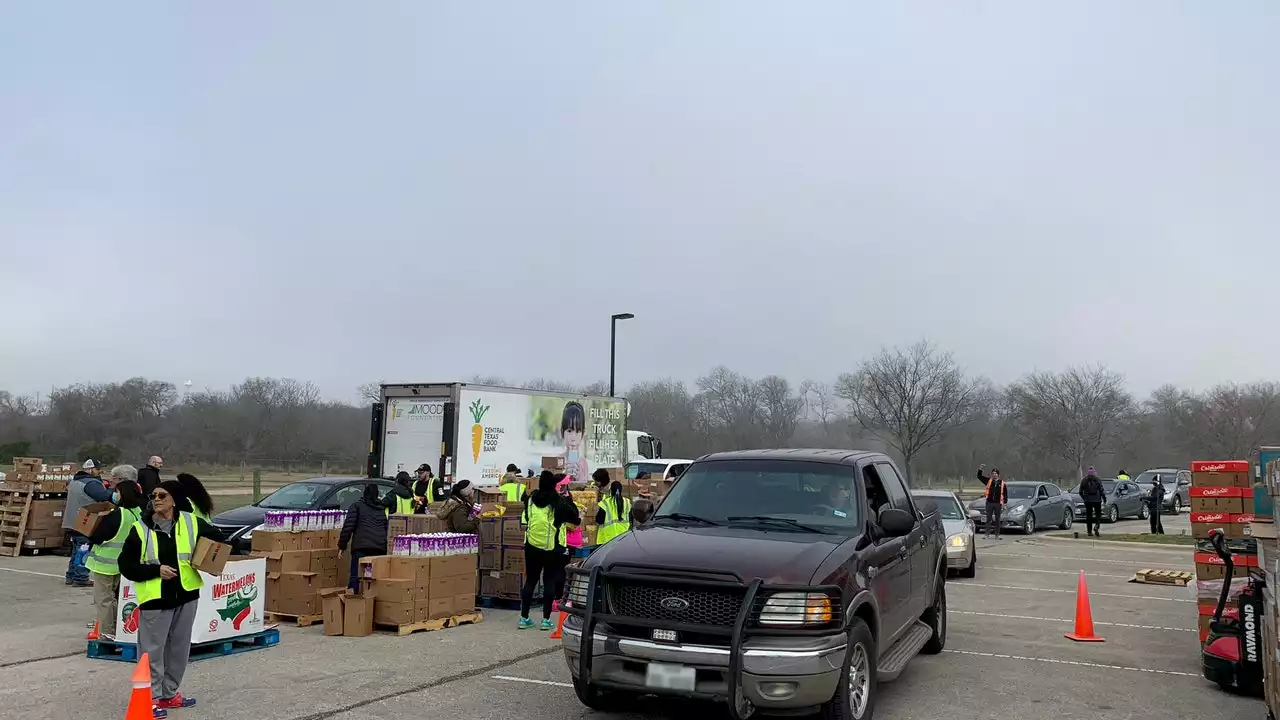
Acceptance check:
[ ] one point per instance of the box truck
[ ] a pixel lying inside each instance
(472, 432)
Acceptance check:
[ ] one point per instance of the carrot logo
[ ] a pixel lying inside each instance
(477, 430)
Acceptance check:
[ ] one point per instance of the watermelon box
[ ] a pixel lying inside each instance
(230, 604)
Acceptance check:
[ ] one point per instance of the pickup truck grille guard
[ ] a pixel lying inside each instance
(595, 611)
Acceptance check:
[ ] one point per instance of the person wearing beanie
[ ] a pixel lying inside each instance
(542, 517)
(1092, 494)
(511, 485)
(456, 510)
(399, 499)
(157, 557)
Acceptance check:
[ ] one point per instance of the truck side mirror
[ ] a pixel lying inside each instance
(895, 522)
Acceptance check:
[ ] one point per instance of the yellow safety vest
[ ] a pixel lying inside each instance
(404, 506)
(615, 522)
(540, 531)
(104, 558)
(513, 490)
(1122, 476)
(199, 515)
(185, 530)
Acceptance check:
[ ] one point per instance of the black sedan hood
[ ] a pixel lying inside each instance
(247, 515)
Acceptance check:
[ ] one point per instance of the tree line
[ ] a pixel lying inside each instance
(915, 403)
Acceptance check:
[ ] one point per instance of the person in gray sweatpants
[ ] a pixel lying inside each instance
(157, 558)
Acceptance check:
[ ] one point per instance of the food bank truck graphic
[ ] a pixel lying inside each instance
(230, 604)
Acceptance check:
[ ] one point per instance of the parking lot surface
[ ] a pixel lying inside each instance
(1006, 656)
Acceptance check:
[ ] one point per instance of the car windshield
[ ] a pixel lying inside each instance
(1020, 492)
(298, 496)
(817, 495)
(948, 508)
(653, 469)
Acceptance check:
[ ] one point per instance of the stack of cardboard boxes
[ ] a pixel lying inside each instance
(1222, 498)
(501, 558)
(32, 499)
(407, 590)
(398, 525)
(299, 566)
(1267, 539)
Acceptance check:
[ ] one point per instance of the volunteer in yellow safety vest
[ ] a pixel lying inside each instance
(399, 499)
(511, 484)
(425, 489)
(545, 516)
(614, 515)
(106, 540)
(197, 500)
(1122, 475)
(157, 557)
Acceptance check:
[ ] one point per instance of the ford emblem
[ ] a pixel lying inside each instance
(674, 604)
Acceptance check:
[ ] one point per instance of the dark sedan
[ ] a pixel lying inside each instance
(317, 493)
(1177, 487)
(1124, 499)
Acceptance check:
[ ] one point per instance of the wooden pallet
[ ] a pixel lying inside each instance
(128, 652)
(15, 507)
(470, 618)
(1175, 578)
(298, 620)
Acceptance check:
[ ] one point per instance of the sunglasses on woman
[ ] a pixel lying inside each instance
(159, 495)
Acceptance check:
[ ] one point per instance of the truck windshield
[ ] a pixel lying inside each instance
(818, 495)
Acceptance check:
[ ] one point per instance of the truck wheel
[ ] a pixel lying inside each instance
(596, 699)
(936, 618)
(855, 697)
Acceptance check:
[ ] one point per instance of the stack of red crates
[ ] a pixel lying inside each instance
(1221, 498)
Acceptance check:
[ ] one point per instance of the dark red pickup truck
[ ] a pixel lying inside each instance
(783, 580)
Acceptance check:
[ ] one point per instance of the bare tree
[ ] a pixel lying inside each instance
(1073, 414)
(779, 410)
(370, 392)
(910, 398)
(820, 404)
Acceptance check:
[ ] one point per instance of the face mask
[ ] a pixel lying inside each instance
(115, 498)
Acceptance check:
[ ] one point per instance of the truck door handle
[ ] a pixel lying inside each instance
(902, 553)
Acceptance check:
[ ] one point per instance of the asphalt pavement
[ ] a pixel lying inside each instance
(1006, 655)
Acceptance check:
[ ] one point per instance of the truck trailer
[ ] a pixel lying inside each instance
(472, 432)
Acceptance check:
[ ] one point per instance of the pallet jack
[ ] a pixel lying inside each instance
(1232, 653)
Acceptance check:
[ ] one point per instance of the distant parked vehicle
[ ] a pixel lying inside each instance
(1124, 500)
(1177, 487)
(962, 554)
(1031, 506)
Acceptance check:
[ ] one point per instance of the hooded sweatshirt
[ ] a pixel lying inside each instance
(1092, 490)
(365, 527)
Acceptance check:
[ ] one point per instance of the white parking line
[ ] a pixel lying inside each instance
(1055, 590)
(1072, 662)
(1066, 621)
(1053, 572)
(1130, 563)
(531, 681)
(33, 572)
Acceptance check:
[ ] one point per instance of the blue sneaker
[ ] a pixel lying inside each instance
(525, 624)
(545, 624)
(159, 713)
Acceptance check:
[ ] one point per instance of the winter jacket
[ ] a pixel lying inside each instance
(1156, 498)
(1091, 490)
(172, 593)
(456, 512)
(83, 489)
(389, 500)
(365, 528)
(996, 491)
(148, 480)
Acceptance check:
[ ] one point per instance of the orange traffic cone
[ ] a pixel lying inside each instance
(1084, 616)
(140, 707)
(558, 632)
(93, 634)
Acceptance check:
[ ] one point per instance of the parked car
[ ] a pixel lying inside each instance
(666, 468)
(1031, 506)
(1177, 487)
(1124, 499)
(784, 580)
(962, 554)
(317, 493)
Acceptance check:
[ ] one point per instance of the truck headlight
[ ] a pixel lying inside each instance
(575, 594)
(796, 608)
(958, 540)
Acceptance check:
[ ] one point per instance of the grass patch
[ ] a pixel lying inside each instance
(222, 503)
(1146, 538)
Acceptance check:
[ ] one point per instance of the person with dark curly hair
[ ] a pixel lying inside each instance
(195, 499)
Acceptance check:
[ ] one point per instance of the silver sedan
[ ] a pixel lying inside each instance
(962, 554)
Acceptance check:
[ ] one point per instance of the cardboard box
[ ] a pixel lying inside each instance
(1220, 473)
(332, 607)
(491, 530)
(90, 515)
(490, 557)
(416, 569)
(376, 567)
(276, 542)
(210, 557)
(1211, 499)
(501, 584)
(464, 602)
(397, 613)
(453, 565)
(438, 608)
(513, 559)
(357, 615)
(1234, 526)
(394, 591)
(281, 561)
(512, 532)
(554, 463)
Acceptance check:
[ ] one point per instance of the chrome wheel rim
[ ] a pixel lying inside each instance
(1029, 525)
(859, 681)
(1113, 514)
(1177, 505)
(1068, 518)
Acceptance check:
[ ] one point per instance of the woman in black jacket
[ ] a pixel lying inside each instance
(165, 622)
(365, 530)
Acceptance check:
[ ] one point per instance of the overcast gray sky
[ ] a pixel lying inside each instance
(426, 191)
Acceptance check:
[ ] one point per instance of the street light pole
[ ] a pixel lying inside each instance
(613, 347)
